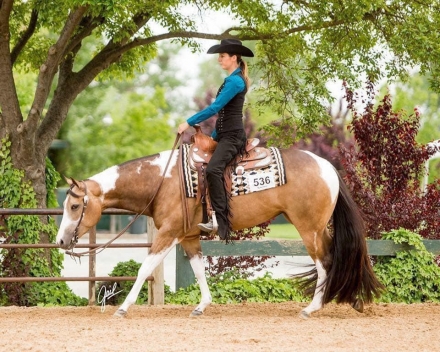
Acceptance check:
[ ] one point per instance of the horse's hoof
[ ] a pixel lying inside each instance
(358, 305)
(120, 313)
(304, 315)
(196, 313)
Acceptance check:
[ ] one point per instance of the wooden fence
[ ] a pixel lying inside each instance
(184, 273)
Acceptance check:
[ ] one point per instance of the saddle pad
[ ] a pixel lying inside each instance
(252, 180)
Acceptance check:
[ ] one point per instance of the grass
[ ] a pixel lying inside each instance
(283, 231)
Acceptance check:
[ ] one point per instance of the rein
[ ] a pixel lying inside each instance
(86, 199)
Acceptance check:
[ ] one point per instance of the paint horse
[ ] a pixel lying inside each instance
(313, 195)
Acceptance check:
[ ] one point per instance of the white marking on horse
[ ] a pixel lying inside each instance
(316, 303)
(147, 267)
(198, 267)
(162, 161)
(107, 179)
(328, 174)
(315, 244)
(67, 223)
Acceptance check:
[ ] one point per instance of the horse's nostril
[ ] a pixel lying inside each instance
(61, 242)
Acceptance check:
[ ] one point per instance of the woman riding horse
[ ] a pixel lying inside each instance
(313, 195)
(229, 130)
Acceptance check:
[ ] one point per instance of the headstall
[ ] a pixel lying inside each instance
(85, 202)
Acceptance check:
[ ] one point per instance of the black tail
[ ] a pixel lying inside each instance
(350, 275)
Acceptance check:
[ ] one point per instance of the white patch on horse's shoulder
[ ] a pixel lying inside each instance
(107, 179)
(328, 174)
(162, 161)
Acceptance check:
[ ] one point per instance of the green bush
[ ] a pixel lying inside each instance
(128, 268)
(55, 294)
(229, 287)
(17, 192)
(412, 275)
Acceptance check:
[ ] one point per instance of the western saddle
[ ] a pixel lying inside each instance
(204, 146)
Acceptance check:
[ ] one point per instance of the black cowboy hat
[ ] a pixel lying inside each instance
(231, 46)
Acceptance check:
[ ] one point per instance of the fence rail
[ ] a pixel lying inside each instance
(72, 278)
(79, 245)
(54, 211)
(184, 273)
(155, 281)
(291, 248)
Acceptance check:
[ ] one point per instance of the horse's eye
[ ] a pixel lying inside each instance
(74, 206)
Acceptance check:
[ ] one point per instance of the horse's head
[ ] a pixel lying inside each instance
(82, 211)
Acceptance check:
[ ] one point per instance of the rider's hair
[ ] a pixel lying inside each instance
(244, 69)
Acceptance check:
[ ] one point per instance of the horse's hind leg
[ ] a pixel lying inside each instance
(158, 252)
(316, 303)
(316, 243)
(194, 252)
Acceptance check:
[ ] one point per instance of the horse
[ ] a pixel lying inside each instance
(313, 197)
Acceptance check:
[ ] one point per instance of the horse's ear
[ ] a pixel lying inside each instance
(71, 181)
(75, 182)
(68, 180)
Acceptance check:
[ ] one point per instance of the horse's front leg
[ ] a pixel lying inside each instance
(199, 271)
(154, 258)
(194, 252)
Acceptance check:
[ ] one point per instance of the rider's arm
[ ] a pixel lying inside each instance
(234, 84)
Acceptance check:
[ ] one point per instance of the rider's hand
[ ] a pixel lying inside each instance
(182, 127)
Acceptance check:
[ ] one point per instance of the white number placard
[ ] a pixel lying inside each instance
(261, 181)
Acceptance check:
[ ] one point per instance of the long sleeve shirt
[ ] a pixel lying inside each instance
(233, 85)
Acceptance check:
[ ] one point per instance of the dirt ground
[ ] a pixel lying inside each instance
(245, 327)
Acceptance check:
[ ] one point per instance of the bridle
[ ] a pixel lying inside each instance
(86, 200)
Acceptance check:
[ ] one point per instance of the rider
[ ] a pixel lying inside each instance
(229, 129)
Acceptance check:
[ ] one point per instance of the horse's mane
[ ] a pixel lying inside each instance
(139, 159)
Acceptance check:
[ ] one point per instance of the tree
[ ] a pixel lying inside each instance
(140, 127)
(385, 167)
(327, 141)
(301, 45)
(412, 93)
(135, 113)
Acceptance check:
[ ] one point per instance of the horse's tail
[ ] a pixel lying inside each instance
(350, 275)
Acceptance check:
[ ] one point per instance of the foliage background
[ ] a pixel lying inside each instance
(52, 52)
(386, 166)
(15, 192)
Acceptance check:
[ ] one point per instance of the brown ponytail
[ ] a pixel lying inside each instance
(244, 70)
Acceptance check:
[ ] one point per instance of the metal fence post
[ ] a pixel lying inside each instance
(92, 268)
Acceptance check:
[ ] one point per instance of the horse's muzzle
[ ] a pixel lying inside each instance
(66, 245)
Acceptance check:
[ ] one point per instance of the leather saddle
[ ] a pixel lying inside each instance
(200, 153)
(204, 146)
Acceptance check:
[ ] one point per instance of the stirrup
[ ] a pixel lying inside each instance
(211, 226)
(206, 227)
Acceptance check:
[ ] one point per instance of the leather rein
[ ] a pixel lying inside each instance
(103, 246)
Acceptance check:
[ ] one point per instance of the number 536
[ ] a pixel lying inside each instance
(261, 181)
